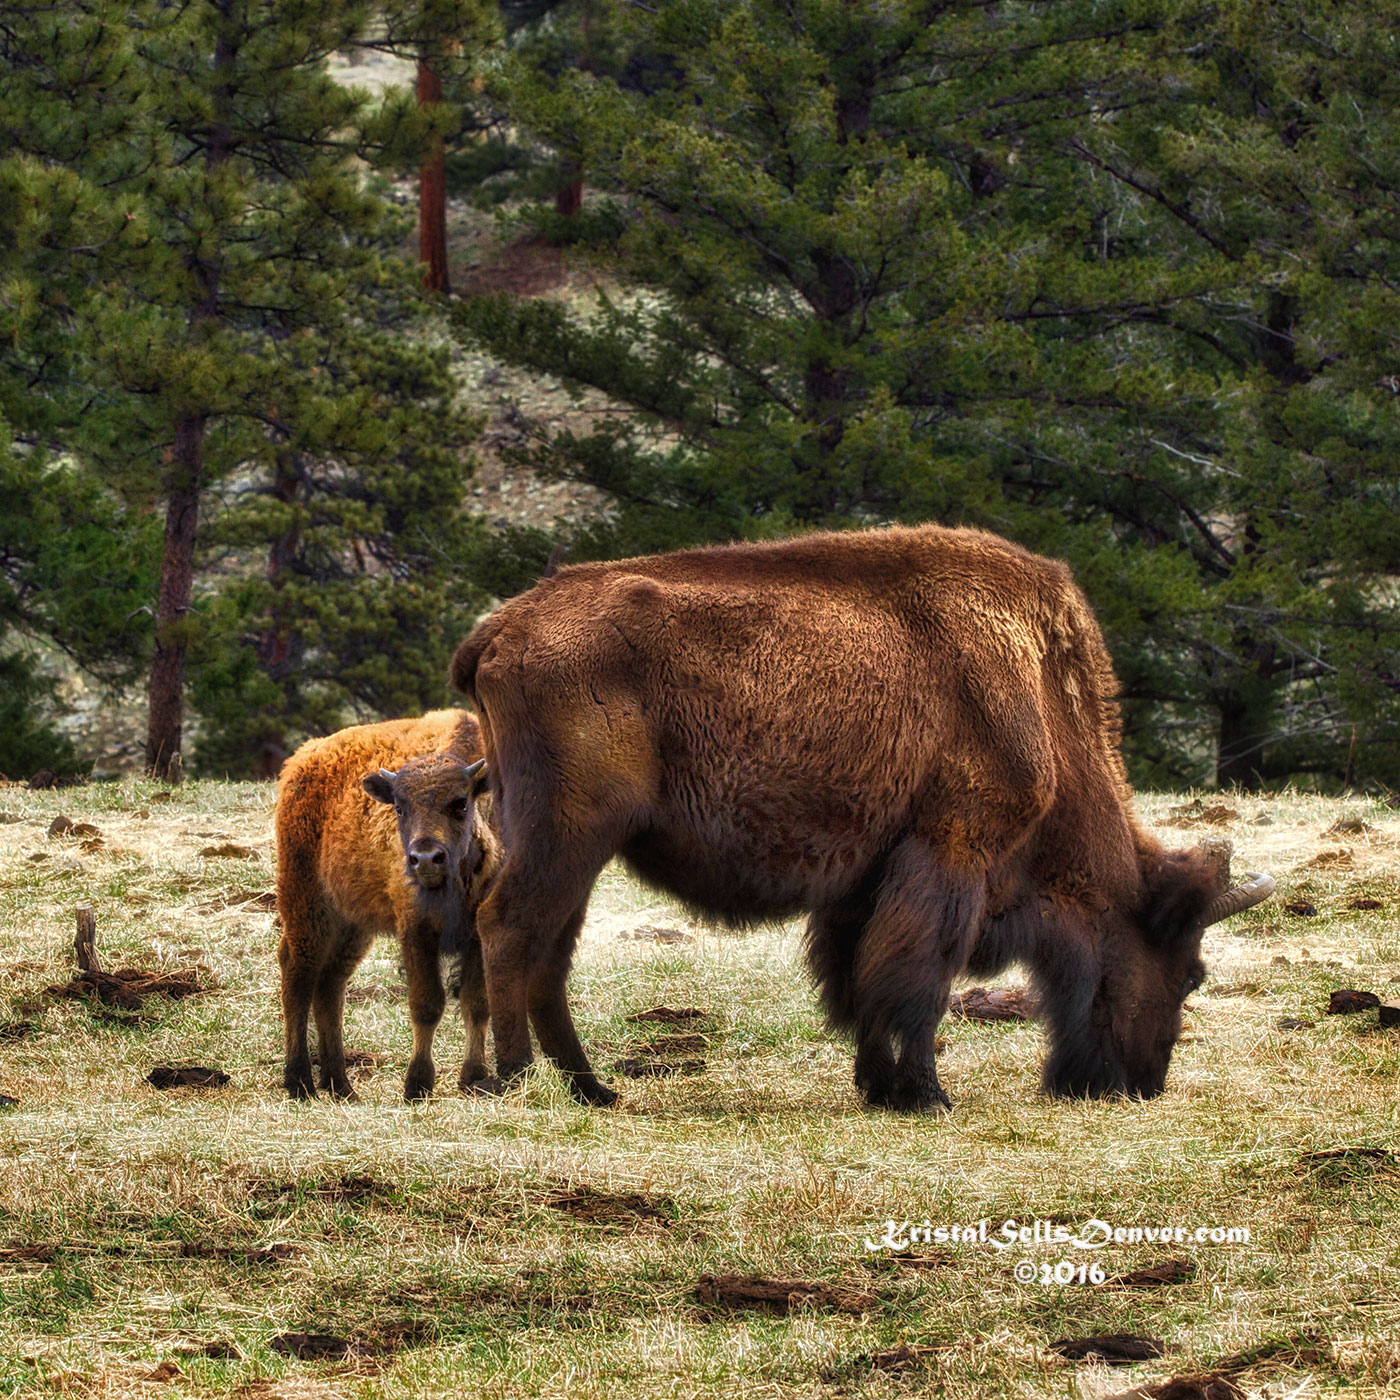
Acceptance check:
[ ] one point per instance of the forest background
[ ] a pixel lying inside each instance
(1116, 280)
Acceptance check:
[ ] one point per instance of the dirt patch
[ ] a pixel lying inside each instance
(264, 901)
(242, 1254)
(1209, 1385)
(671, 1015)
(908, 1356)
(993, 1004)
(1169, 1271)
(1362, 905)
(229, 850)
(312, 1346)
(17, 1030)
(526, 268)
(595, 1207)
(1197, 813)
(1116, 1348)
(127, 988)
(1330, 860)
(634, 1068)
(213, 1349)
(341, 1188)
(187, 1077)
(726, 1293)
(66, 826)
(651, 933)
(1301, 909)
(28, 1253)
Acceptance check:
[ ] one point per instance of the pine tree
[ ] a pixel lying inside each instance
(1039, 268)
(75, 566)
(263, 375)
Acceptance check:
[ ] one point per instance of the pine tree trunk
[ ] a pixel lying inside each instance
(166, 694)
(432, 194)
(1240, 751)
(167, 688)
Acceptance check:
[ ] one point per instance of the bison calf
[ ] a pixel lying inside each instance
(348, 870)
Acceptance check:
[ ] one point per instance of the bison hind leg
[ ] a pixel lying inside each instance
(917, 940)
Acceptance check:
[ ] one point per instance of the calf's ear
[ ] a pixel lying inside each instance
(380, 786)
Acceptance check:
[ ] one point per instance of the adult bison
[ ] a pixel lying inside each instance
(348, 868)
(911, 734)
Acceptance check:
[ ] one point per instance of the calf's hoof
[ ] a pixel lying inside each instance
(471, 1074)
(418, 1085)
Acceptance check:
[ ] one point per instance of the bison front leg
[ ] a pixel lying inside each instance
(426, 1000)
(923, 927)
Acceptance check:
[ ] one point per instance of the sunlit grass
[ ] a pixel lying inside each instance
(434, 1239)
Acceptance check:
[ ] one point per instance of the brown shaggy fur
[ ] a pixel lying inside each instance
(911, 734)
(342, 879)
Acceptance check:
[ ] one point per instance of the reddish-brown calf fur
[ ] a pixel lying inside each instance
(341, 881)
(911, 734)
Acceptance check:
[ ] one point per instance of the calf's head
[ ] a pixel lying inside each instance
(434, 799)
(1116, 1017)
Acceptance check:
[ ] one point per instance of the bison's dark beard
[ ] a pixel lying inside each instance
(445, 910)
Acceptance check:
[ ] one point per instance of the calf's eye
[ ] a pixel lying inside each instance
(457, 809)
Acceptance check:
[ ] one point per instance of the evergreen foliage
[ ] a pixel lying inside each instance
(1111, 279)
(254, 364)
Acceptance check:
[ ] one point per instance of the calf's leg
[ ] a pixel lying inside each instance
(307, 932)
(345, 954)
(475, 1015)
(426, 999)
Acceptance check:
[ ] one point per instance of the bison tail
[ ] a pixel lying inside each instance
(462, 671)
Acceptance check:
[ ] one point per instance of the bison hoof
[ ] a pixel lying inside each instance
(489, 1087)
(418, 1086)
(471, 1075)
(298, 1085)
(342, 1091)
(588, 1090)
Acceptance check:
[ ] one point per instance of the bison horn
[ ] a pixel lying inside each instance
(387, 775)
(474, 768)
(1255, 890)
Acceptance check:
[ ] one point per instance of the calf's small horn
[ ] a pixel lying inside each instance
(387, 775)
(1255, 890)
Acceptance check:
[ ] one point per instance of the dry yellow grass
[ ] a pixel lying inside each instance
(532, 1247)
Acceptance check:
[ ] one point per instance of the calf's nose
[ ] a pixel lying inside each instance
(427, 856)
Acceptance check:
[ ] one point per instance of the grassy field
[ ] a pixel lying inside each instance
(162, 1242)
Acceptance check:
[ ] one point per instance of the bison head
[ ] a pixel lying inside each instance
(434, 799)
(1115, 1016)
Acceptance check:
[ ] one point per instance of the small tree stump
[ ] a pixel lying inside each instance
(85, 940)
(1217, 852)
